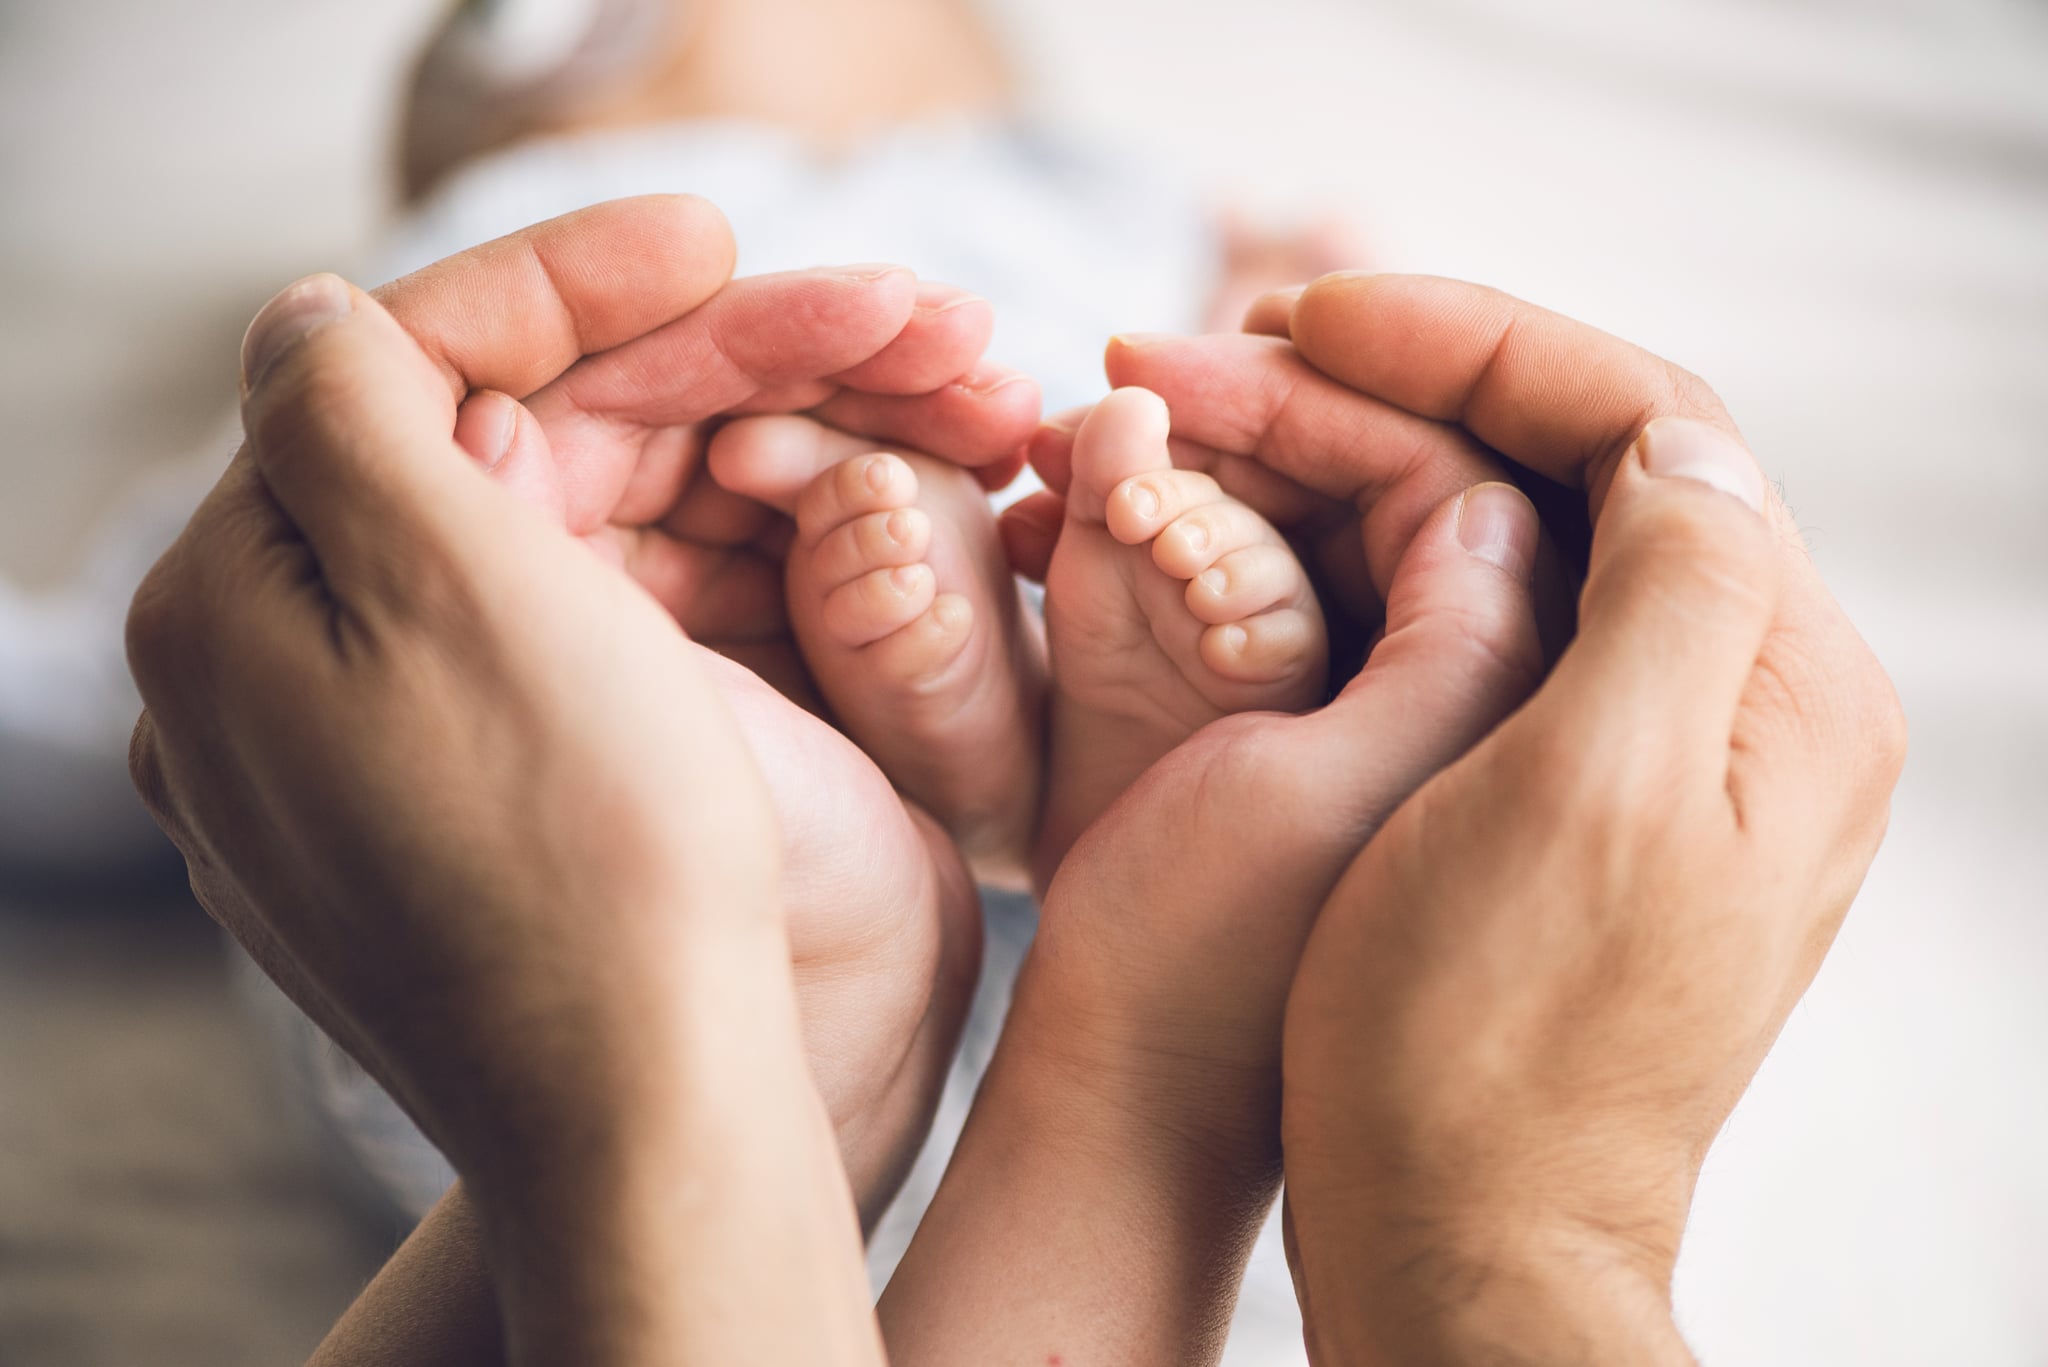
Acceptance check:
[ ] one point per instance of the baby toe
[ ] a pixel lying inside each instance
(873, 541)
(872, 483)
(920, 650)
(773, 458)
(870, 607)
(1198, 538)
(1124, 435)
(1244, 582)
(1140, 507)
(1270, 647)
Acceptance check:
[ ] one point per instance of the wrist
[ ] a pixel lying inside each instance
(1185, 1112)
(690, 1203)
(582, 1079)
(1381, 1288)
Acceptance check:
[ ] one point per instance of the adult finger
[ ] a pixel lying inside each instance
(503, 438)
(1030, 529)
(1461, 651)
(948, 331)
(515, 313)
(1256, 397)
(1271, 314)
(1820, 721)
(350, 429)
(755, 334)
(1545, 391)
(1679, 599)
(759, 333)
(1273, 496)
(983, 418)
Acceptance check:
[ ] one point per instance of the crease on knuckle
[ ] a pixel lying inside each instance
(157, 627)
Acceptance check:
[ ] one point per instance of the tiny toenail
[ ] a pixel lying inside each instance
(876, 473)
(904, 578)
(1215, 581)
(1144, 500)
(898, 527)
(1235, 639)
(1195, 536)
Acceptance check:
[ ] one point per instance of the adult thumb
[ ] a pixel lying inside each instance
(352, 430)
(1679, 596)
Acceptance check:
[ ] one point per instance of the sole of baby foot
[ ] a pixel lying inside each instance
(1169, 605)
(913, 626)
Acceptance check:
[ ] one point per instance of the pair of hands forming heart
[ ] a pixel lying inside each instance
(380, 690)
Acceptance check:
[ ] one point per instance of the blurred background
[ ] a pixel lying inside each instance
(1835, 211)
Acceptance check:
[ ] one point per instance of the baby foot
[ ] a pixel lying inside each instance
(1169, 604)
(910, 620)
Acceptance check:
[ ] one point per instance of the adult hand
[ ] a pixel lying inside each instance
(883, 917)
(400, 726)
(1539, 990)
(1137, 1082)
(1333, 452)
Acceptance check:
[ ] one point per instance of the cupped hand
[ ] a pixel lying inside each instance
(614, 446)
(470, 796)
(1539, 990)
(883, 919)
(374, 728)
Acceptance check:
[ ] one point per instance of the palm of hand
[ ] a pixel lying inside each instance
(1212, 869)
(882, 918)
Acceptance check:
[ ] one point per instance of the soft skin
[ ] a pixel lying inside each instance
(1168, 605)
(505, 725)
(1703, 781)
(884, 921)
(603, 297)
(1132, 1112)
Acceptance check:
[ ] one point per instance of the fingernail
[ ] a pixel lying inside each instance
(1688, 449)
(878, 472)
(1498, 525)
(1144, 502)
(863, 273)
(987, 386)
(1139, 339)
(898, 528)
(290, 318)
(507, 430)
(958, 302)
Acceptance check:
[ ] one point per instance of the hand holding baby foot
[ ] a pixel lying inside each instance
(910, 621)
(1137, 1084)
(1169, 604)
(883, 921)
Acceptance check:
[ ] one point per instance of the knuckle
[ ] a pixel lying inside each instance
(1890, 737)
(1705, 544)
(304, 408)
(158, 627)
(146, 770)
(1692, 396)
